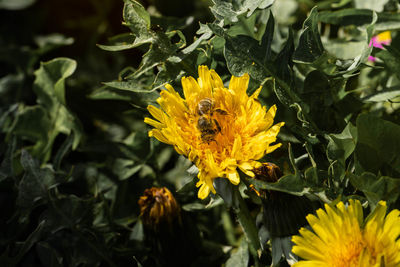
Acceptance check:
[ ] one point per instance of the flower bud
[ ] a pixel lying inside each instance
(283, 213)
(158, 207)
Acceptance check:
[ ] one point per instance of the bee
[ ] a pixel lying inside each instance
(206, 107)
(206, 123)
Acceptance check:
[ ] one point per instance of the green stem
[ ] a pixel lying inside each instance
(248, 224)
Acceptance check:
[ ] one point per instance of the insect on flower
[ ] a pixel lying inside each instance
(219, 129)
(207, 123)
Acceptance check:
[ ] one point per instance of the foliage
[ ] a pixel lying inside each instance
(75, 152)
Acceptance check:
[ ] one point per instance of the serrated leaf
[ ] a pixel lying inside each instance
(51, 115)
(223, 10)
(243, 54)
(136, 18)
(310, 47)
(206, 34)
(376, 188)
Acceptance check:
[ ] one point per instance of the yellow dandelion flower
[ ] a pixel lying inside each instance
(219, 129)
(341, 238)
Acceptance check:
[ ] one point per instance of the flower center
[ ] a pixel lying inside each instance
(347, 254)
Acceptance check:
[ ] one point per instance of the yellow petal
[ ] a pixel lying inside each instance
(204, 191)
(234, 178)
(154, 123)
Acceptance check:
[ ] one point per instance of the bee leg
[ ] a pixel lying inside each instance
(221, 111)
(217, 125)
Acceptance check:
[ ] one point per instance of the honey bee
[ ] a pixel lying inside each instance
(206, 123)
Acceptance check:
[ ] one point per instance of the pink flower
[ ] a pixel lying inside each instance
(383, 38)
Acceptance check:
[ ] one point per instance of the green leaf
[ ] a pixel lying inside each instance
(365, 51)
(50, 42)
(107, 93)
(241, 54)
(377, 6)
(136, 17)
(376, 188)
(49, 87)
(383, 95)
(48, 256)
(266, 40)
(33, 124)
(359, 17)
(206, 34)
(64, 149)
(391, 58)
(35, 183)
(292, 184)
(246, 220)
(277, 250)
(137, 231)
(240, 257)
(378, 144)
(30, 241)
(281, 246)
(223, 10)
(195, 206)
(310, 47)
(49, 83)
(283, 63)
(224, 189)
(346, 17)
(130, 86)
(15, 4)
(343, 49)
(6, 166)
(342, 145)
(124, 42)
(340, 148)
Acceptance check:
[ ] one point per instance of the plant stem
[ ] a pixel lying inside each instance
(248, 224)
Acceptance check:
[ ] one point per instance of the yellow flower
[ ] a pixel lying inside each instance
(217, 128)
(341, 238)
